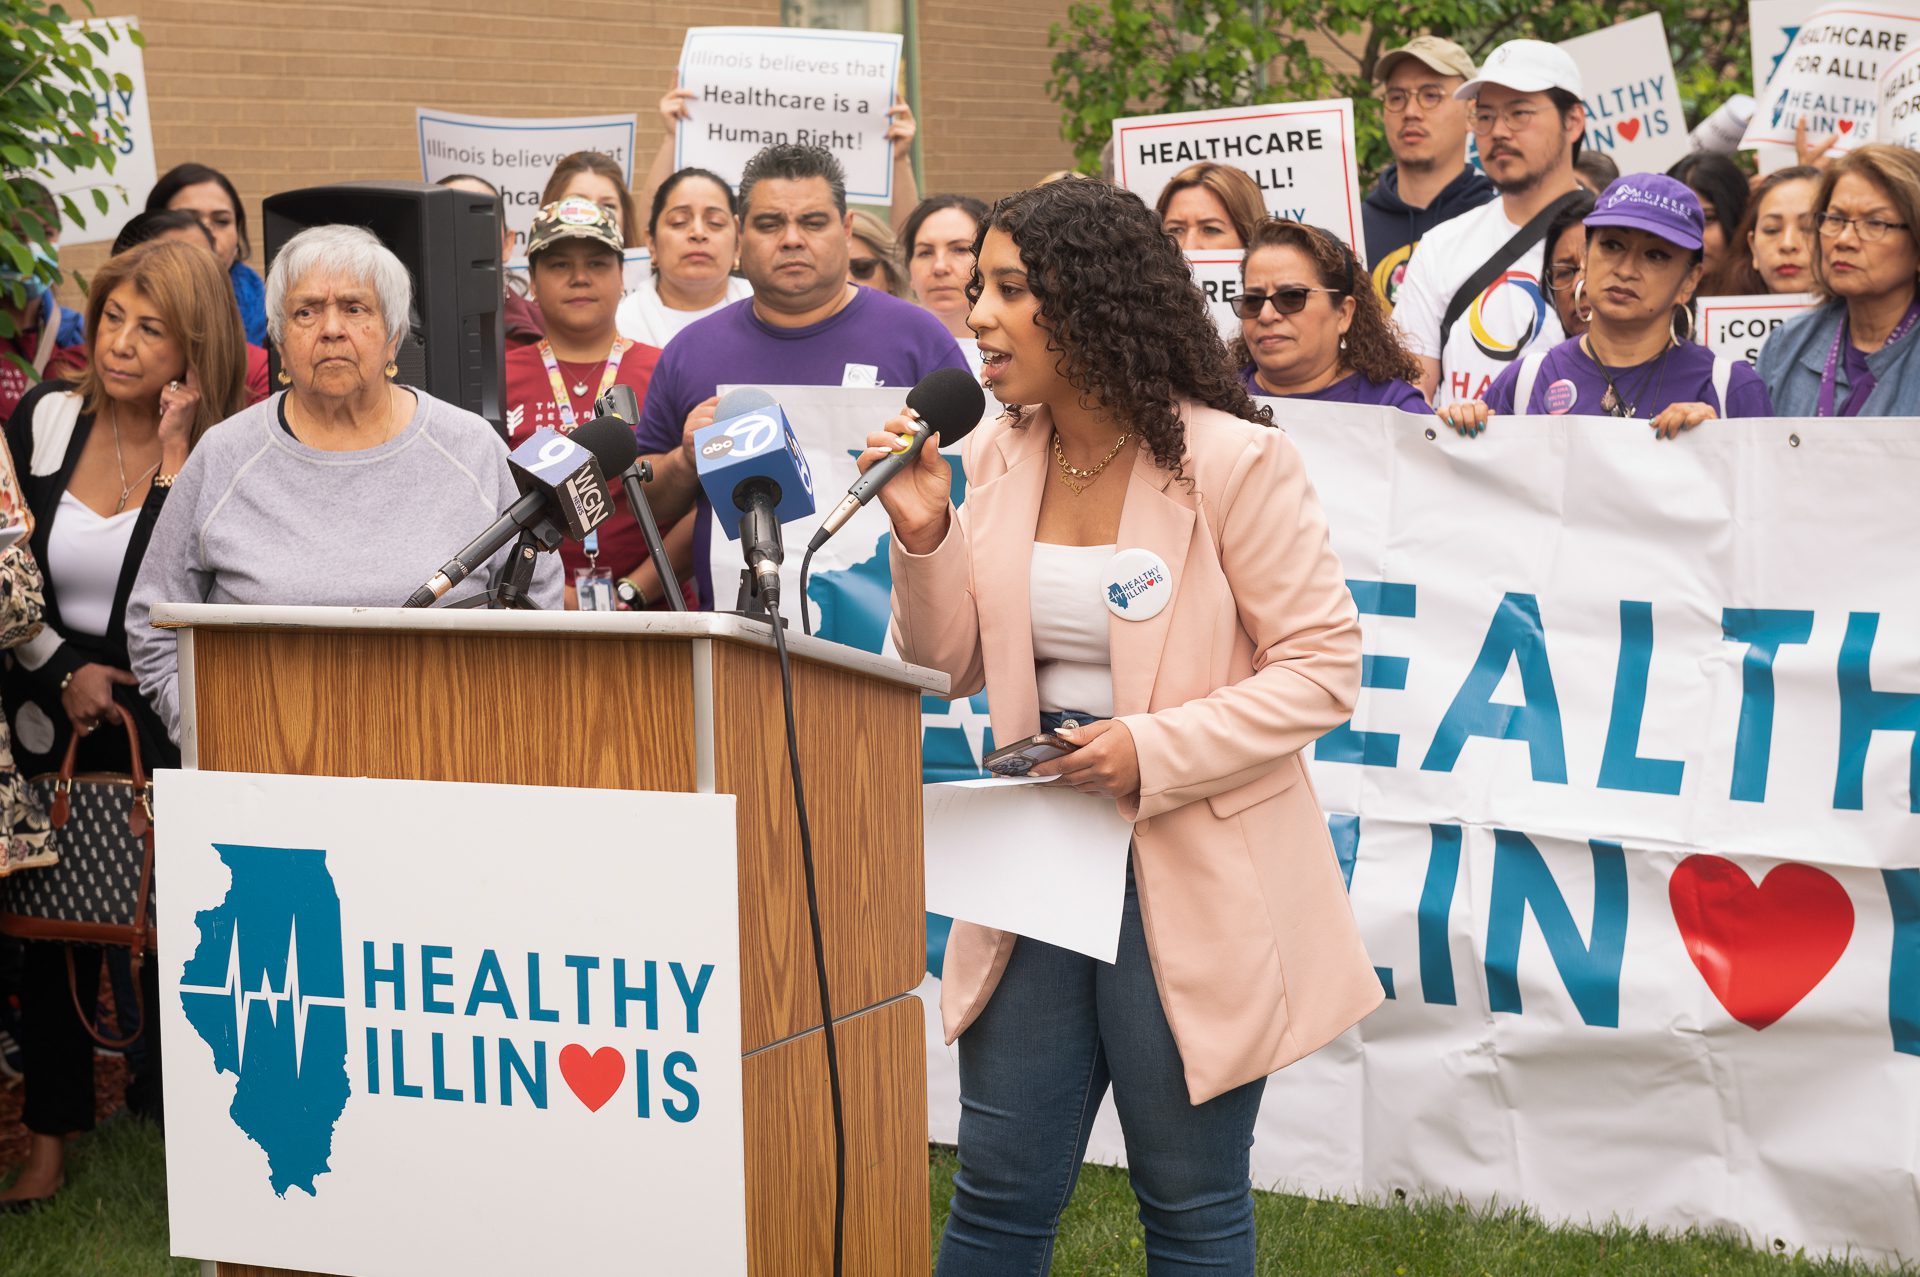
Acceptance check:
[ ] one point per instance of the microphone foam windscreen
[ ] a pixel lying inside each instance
(611, 442)
(950, 401)
(742, 400)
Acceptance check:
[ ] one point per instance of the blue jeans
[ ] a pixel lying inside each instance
(1059, 1028)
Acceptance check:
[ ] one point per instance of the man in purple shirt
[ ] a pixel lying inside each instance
(805, 325)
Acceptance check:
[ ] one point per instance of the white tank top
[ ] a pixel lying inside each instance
(85, 553)
(1072, 661)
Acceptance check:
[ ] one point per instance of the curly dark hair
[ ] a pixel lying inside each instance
(1119, 304)
(1374, 348)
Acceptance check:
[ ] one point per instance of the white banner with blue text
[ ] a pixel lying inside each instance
(1627, 809)
(416, 1027)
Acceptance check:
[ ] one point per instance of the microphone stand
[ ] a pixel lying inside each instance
(635, 478)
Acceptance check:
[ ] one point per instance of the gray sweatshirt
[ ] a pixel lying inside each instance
(256, 517)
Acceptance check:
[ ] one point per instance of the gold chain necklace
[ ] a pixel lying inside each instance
(1068, 474)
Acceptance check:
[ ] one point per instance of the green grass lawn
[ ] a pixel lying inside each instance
(112, 1222)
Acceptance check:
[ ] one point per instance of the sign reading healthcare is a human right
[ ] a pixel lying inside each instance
(418, 1027)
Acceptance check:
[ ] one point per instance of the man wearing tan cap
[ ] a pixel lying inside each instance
(1430, 179)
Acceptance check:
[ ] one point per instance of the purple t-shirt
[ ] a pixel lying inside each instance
(874, 340)
(1570, 381)
(1355, 387)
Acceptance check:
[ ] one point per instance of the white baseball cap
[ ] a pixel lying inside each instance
(1526, 66)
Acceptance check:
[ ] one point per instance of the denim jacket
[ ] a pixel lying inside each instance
(1795, 357)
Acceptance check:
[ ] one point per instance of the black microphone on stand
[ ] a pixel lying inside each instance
(622, 403)
(563, 485)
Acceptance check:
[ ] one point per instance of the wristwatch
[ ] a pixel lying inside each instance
(629, 595)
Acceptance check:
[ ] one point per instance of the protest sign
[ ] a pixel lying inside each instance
(758, 86)
(1218, 276)
(1632, 96)
(133, 172)
(1773, 24)
(1899, 120)
(1830, 76)
(1301, 154)
(517, 155)
(1739, 326)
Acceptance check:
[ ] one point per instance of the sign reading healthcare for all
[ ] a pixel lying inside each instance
(1738, 326)
(1300, 154)
(1633, 98)
(377, 1002)
(133, 172)
(1830, 76)
(762, 86)
(1217, 276)
(517, 155)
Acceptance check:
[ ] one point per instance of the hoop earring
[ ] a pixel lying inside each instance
(284, 377)
(1581, 310)
(1673, 325)
(393, 370)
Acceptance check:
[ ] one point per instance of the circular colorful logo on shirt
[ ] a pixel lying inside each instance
(1561, 396)
(1139, 586)
(1494, 347)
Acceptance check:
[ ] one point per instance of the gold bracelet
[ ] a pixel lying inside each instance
(164, 480)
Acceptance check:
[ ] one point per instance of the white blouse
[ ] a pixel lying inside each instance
(85, 554)
(1072, 662)
(644, 318)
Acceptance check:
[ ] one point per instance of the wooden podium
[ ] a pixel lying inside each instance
(679, 702)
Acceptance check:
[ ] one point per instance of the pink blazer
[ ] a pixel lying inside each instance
(1254, 946)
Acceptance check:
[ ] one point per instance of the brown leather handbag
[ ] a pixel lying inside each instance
(101, 889)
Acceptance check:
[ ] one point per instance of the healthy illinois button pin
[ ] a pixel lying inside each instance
(1138, 585)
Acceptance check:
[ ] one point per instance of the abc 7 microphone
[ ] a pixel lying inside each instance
(749, 462)
(563, 486)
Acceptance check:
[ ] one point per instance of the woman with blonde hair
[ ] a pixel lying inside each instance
(1208, 206)
(97, 460)
(874, 261)
(1311, 327)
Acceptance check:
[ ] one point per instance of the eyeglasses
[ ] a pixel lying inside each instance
(1517, 118)
(1429, 96)
(1871, 230)
(1561, 277)
(863, 267)
(1286, 301)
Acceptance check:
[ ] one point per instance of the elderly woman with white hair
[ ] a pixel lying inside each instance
(347, 489)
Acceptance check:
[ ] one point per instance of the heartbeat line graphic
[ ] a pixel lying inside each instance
(243, 999)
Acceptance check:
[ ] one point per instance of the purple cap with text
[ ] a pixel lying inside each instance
(1654, 203)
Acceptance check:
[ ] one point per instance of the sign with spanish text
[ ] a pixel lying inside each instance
(134, 171)
(517, 155)
(758, 86)
(391, 1008)
(1830, 75)
(1300, 154)
(1738, 326)
(1632, 96)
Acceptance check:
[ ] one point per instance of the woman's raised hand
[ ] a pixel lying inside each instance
(917, 500)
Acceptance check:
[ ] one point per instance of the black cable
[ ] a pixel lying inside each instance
(819, 945)
(806, 613)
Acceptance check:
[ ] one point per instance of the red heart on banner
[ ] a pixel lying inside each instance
(1760, 949)
(1630, 129)
(1846, 126)
(594, 1078)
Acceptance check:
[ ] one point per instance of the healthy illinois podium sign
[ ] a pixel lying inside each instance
(429, 1027)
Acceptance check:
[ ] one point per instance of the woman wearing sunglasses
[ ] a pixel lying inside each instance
(1637, 358)
(1311, 326)
(1854, 356)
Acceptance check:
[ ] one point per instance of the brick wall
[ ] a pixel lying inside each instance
(280, 94)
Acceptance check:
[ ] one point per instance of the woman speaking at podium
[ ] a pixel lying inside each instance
(1141, 567)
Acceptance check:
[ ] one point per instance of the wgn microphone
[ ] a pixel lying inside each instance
(950, 403)
(563, 485)
(749, 461)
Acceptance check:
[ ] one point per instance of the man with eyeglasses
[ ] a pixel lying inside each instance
(1430, 180)
(1475, 295)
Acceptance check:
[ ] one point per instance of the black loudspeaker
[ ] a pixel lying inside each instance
(449, 241)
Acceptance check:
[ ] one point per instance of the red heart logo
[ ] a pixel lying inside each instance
(594, 1078)
(1846, 126)
(1630, 129)
(1760, 949)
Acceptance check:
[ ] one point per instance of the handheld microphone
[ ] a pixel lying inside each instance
(563, 485)
(748, 460)
(950, 403)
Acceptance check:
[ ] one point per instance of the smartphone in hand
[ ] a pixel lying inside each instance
(1023, 756)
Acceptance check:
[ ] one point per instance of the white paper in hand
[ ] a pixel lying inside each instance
(1038, 860)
